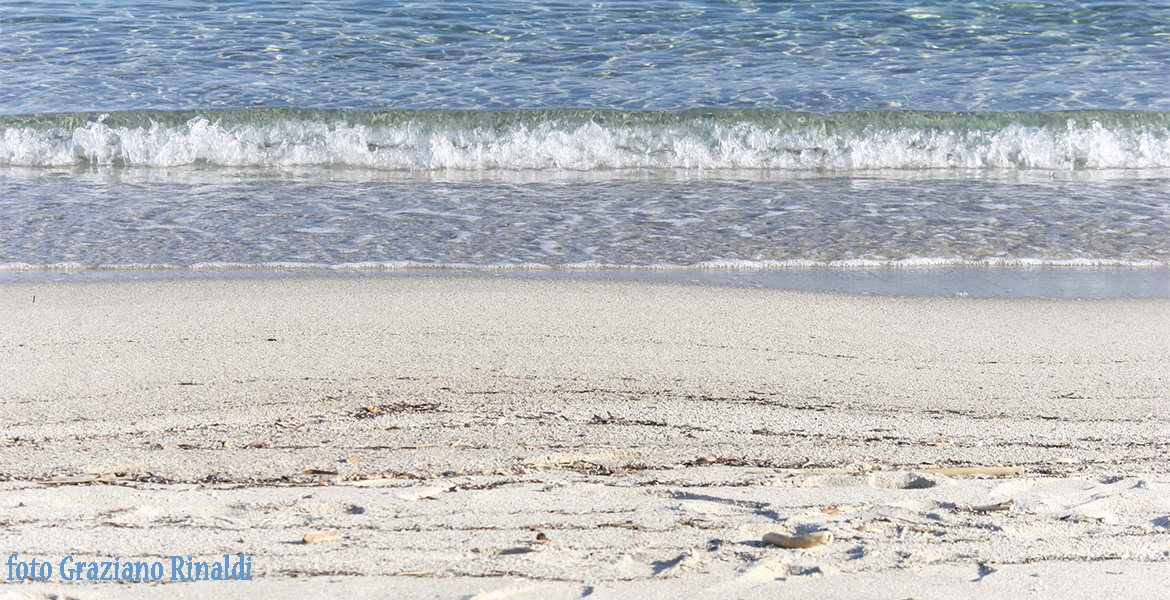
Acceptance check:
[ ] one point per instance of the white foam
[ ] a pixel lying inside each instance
(557, 145)
(712, 265)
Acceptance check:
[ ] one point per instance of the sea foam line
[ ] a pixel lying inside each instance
(422, 141)
(712, 265)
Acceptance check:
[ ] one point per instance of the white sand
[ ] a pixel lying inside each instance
(653, 433)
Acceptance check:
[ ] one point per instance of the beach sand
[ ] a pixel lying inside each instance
(649, 434)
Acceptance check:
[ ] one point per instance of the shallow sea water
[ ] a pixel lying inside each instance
(580, 137)
(644, 55)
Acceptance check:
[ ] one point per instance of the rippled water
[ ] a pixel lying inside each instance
(644, 55)
(581, 135)
(315, 221)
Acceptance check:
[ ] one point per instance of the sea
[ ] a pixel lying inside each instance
(982, 148)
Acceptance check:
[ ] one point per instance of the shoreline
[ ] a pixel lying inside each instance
(652, 432)
(1039, 282)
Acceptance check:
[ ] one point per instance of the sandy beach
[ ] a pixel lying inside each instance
(525, 438)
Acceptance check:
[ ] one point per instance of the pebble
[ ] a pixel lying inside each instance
(815, 538)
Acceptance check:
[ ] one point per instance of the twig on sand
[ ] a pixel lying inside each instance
(992, 471)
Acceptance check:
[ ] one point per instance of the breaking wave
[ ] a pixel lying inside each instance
(586, 140)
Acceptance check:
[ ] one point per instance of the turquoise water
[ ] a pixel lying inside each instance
(186, 136)
(645, 55)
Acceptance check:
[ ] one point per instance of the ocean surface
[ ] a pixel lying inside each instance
(778, 143)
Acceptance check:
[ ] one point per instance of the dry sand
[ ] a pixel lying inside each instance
(650, 434)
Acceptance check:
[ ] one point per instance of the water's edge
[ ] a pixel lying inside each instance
(1057, 283)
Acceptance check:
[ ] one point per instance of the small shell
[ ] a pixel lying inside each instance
(815, 538)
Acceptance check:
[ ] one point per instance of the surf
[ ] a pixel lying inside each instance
(591, 140)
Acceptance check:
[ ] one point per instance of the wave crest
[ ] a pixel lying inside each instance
(591, 140)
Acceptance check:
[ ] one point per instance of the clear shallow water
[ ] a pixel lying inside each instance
(645, 55)
(633, 137)
(637, 220)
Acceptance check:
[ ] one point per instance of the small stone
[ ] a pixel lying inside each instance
(815, 538)
(320, 537)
